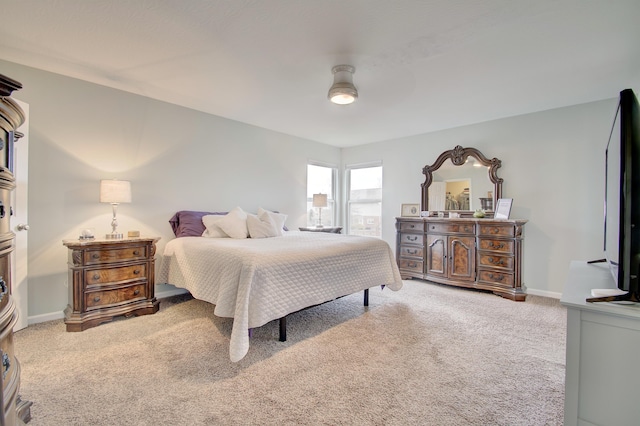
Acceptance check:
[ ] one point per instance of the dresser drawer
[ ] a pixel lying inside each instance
(496, 260)
(112, 275)
(411, 265)
(451, 228)
(411, 251)
(99, 299)
(412, 226)
(417, 239)
(495, 277)
(503, 246)
(99, 256)
(506, 230)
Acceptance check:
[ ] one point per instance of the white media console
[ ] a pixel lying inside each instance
(602, 382)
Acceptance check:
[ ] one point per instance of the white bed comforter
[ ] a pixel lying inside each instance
(255, 281)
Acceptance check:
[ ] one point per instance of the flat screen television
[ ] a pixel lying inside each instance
(622, 200)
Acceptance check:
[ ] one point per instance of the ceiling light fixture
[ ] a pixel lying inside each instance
(343, 92)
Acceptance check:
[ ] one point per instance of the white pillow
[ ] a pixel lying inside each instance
(261, 226)
(277, 218)
(212, 230)
(234, 223)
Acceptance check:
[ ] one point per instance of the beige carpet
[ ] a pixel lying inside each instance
(426, 355)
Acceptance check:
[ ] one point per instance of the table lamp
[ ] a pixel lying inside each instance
(115, 192)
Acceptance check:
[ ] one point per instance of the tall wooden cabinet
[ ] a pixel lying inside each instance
(11, 117)
(477, 253)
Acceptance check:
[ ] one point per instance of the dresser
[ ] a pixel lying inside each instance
(13, 410)
(467, 252)
(109, 278)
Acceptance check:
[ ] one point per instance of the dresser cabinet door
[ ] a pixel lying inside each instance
(437, 256)
(462, 258)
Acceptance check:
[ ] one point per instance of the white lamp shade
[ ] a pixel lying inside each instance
(319, 200)
(115, 191)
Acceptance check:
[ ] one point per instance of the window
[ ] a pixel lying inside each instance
(365, 200)
(321, 179)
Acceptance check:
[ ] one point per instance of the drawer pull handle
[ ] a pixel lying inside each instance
(412, 264)
(137, 292)
(412, 225)
(412, 237)
(6, 365)
(415, 251)
(136, 272)
(96, 276)
(96, 256)
(96, 299)
(136, 253)
(497, 277)
(496, 246)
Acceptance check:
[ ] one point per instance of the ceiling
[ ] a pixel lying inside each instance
(421, 65)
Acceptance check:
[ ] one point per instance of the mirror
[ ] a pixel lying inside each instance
(461, 180)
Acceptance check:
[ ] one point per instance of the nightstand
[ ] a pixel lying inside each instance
(109, 278)
(329, 229)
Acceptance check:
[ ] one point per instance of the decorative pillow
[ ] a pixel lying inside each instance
(261, 226)
(188, 223)
(277, 218)
(212, 230)
(234, 223)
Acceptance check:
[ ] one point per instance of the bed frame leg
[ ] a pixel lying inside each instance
(366, 297)
(283, 329)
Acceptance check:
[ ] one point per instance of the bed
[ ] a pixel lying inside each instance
(258, 280)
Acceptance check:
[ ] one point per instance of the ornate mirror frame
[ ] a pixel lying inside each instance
(458, 157)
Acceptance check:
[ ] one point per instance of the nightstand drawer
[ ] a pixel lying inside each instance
(92, 257)
(113, 275)
(100, 299)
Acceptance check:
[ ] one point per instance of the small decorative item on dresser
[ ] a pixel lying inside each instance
(410, 210)
(87, 234)
(109, 278)
(503, 208)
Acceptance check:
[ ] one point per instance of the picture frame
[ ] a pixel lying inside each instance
(503, 208)
(410, 210)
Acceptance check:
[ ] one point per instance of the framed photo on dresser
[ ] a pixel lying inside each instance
(410, 210)
(503, 208)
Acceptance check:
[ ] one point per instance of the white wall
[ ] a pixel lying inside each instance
(553, 168)
(175, 158)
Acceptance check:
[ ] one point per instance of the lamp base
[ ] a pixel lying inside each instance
(114, 236)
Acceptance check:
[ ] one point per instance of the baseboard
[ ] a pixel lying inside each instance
(544, 293)
(52, 316)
